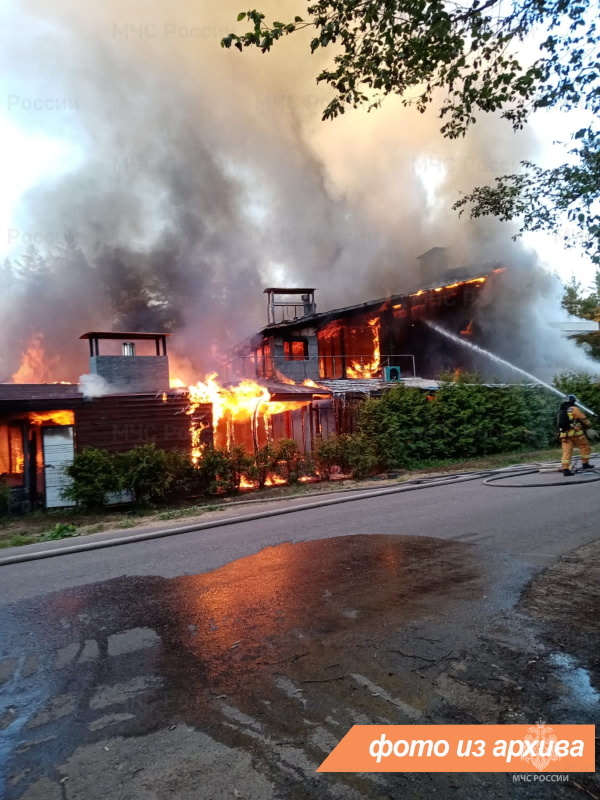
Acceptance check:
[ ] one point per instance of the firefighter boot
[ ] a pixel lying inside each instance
(587, 465)
(567, 473)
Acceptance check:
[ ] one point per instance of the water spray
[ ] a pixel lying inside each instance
(502, 361)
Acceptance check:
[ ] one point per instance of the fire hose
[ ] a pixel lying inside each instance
(590, 476)
(347, 496)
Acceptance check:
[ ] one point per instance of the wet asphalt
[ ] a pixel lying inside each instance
(140, 670)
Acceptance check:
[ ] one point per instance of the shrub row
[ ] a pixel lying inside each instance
(157, 476)
(463, 419)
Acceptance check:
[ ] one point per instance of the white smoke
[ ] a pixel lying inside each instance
(91, 386)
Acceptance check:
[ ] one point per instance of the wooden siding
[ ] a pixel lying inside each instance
(118, 423)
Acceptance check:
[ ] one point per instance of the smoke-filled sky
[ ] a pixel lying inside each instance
(186, 178)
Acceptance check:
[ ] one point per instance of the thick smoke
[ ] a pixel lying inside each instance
(200, 176)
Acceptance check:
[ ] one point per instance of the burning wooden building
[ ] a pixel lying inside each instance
(385, 340)
(126, 400)
(42, 426)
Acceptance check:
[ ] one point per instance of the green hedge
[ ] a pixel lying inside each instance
(586, 389)
(157, 476)
(463, 419)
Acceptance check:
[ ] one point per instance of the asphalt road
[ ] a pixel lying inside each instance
(229, 662)
(536, 524)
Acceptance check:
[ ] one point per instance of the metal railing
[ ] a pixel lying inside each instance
(349, 367)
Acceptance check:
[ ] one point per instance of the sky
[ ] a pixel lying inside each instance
(32, 154)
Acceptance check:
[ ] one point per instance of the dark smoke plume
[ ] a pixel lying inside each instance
(198, 176)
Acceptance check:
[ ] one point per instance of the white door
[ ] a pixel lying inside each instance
(59, 452)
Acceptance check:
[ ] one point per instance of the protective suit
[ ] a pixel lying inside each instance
(573, 423)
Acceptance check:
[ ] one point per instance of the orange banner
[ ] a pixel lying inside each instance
(464, 748)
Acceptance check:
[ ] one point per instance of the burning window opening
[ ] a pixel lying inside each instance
(295, 350)
(12, 454)
(371, 369)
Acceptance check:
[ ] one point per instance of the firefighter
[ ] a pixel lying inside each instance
(573, 426)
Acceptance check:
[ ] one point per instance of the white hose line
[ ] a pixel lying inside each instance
(425, 483)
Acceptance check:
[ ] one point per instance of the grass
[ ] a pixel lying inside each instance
(71, 522)
(17, 541)
(191, 511)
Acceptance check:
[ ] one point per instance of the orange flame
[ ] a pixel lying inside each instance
(368, 370)
(56, 417)
(275, 480)
(35, 366)
(241, 403)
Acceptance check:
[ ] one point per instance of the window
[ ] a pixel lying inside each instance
(12, 454)
(295, 350)
(264, 366)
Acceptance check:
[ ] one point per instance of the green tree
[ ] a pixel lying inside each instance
(471, 57)
(585, 387)
(585, 304)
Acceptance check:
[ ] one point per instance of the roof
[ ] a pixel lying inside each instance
(368, 386)
(23, 392)
(55, 393)
(432, 250)
(324, 316)
(571, 326)
(278, 388)
(289, 291)
(121, 335)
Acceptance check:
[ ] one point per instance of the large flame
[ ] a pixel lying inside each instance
(36, 366)
(240, 402)
(362, 370)
(248, 401)
(56, 417)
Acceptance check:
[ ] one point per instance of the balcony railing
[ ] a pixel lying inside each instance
(317, 367)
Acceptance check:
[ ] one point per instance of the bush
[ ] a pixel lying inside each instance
(144, 471)
(222, 470)
(327, 456)
(288, 457)
(211, 470)
(179, 474)
(359, 454)
(264, 463)
(240, 465)
(93, 474)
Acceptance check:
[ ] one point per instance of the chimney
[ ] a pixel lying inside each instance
(130, 373)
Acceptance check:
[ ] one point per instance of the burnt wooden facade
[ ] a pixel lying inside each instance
(119, 423)
(113, 422)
